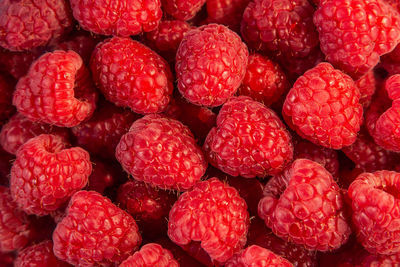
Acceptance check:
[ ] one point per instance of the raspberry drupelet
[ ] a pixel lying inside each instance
(227, 12)
(182, 9)
(150, 255)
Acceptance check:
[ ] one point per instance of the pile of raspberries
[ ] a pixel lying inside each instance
(165, 133)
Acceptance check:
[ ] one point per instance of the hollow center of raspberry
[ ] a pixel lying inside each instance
(54, 147)
(394, 191)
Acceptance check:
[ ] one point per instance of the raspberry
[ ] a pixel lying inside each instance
(390, 61)
(210, 64)
(166, 38)
(129, 74)
(150, 255)
(264, 80)
(182, 9)
(162, 152)
(18, 130)
(280, 27)
(355, 33)
(16, 229)
(249, 140)
(56, 90)
(381, 260)
(40, 255)
(6, 91)
(304, 205)
(376, 211)
(323, 107)
(117, 17)
(26, 24)
(227, 12)
(255, 256)
(17, 63)
(46, 173)
(195, 250)
(102, 177)
(367, 86)
(148, 206)
(212, 213)
(95, 232)
(101, 133)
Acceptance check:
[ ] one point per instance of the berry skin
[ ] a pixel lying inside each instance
(6, 91)
(255, 256)
(323, 107)
(150, 255)
(355, 33)
(226, 12)
(117, 17)
(304, 206)
(161, 152)
(182, 9)
(39, 255)
(264, 80)
(18, 130)
(101, 133)
(57, 90)
(27, 24)
(367, 86)
(249, 140)
(46, 174)
(210, 65)
(375, 205)
(16, 229)
(95, 232)
(208, 213)
(129, 74)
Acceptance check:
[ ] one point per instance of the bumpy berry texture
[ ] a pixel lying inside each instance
(375, 205)
(17, 63)
(46, 174)
(162, 152)
(101, 133)
(16, 229)
(212, 213)
(255, 256)
(129, 74)
(367, 86)
(166, 38)
(249, 140)
(264, 80)
(95, 232)
(323, 107)
(57, 90)
(6, 92)
(226, 12)
(117, 17)
(304, 205)
(210, 64)
(150, 255)
(355, 33)
(39, 255)
(27, 24)
(182, 9)
(18, 130)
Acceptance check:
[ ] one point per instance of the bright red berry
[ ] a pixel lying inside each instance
(95, 232)
(182, 9)
(210, 65)
(46, 174)
(212, 213)
(367, 86)
(150, 255)
(6, 92)
(304, 205)
(249, 140)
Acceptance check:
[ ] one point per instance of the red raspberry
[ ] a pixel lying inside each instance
(39, 255)
(381, 261)
(26, 24)
(166, 38)
(323, 107)
(182, 9)
(46, 173)
(280, 27)
(56, 90)
(249, 140)
(255, 256)
(103, 176)
(129, 74)
(18, 130)
(210, 64)
(95, 232)
(162, 152)
(264, 80)
(117, 17)
(227, 12)
(17, 63)
(16, 229)
(150, 255)
(355, 33)
(6, 91)
(148, 206)
(304, 205)
(101, 133)
(375, 207)
(367, 86)
(212, 213)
